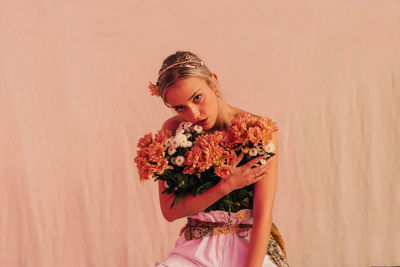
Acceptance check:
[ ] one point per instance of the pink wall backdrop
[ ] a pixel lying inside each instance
(74, 101)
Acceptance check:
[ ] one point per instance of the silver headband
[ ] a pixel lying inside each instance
(181, 64)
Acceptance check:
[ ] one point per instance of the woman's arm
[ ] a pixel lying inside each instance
(264, 195)
(189, 205)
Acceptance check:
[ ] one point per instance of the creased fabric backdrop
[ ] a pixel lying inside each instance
(74, 102)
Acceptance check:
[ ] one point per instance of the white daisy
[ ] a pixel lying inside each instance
(270, 147)
(171, 151)
(260, 150)
(180, 129)
(187, 125)
(180, 140)
(168, 142)
(197, 128)
(179, 160)
(189, 144)
(253, 152)
(183, 142)
(174, 143)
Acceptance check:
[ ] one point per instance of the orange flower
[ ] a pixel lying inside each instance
(145, 141)
(153, 89)
(249, 128)
(150, 159)
(209, 150)
(162, 135)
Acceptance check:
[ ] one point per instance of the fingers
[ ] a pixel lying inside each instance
(260, 176)
(249, 173)
(252, 162)
(263, 161)
(238, 159)
(261, 167)
(257, 177)
(267, 162)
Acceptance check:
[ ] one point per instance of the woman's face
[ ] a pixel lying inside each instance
(194, 101)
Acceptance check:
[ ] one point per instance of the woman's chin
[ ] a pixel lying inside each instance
(207, 127)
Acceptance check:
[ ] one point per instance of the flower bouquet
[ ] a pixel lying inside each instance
(191, 161)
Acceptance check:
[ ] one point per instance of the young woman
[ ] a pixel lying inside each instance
(188, 87)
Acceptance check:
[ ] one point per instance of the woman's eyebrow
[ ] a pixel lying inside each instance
(189, 97)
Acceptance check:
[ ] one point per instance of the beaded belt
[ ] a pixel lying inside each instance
(195, 229)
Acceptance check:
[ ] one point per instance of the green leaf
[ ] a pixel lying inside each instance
(175, 202)
(169, 190)
(204, 187)
(228, 201)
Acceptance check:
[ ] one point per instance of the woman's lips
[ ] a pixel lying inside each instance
(202, 122)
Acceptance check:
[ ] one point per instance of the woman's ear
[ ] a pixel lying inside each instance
(213, 75)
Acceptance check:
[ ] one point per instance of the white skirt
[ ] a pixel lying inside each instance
(222, 250)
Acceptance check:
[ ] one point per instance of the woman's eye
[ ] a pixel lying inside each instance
(197, 98)
(179, 108)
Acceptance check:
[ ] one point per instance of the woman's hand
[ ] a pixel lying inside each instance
(245, 175)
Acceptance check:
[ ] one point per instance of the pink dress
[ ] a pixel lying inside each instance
(222, 250)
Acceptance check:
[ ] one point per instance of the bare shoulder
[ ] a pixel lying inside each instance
(274, 134)
(172, 123)
(241, 111)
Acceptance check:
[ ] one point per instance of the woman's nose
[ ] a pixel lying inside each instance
(193, 114)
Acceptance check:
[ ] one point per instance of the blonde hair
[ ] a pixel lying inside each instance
(171, 71)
